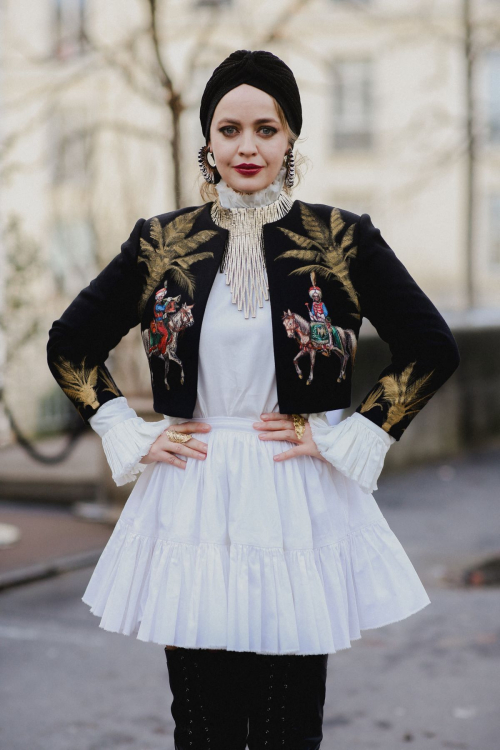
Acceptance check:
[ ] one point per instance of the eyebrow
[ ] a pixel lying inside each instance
(256, 122)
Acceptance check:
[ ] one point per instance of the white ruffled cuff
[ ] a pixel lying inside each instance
(126, 443)
(356, 447)
(126, 438)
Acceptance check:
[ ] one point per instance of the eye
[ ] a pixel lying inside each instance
(270, 130)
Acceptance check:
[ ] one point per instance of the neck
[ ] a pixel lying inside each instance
(230, 198)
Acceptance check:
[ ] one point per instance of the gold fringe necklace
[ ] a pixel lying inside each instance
(243, 260)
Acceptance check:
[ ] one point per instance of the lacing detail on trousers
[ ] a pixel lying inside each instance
(193, 727)
(272, 711)
(224, 699)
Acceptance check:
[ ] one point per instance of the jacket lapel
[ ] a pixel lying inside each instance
(182, 257)
(313, 358)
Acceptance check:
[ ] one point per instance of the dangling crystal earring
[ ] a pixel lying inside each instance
(290, 168)
(207, 170)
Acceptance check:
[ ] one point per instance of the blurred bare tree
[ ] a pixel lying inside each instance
(18, 323)
(141, 61)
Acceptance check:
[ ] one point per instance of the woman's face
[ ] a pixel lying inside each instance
(246, 130)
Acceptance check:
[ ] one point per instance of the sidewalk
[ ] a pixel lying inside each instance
(52, 540)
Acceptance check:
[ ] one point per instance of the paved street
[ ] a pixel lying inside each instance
(428, 682)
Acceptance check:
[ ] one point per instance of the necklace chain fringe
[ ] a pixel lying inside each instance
(243, 260)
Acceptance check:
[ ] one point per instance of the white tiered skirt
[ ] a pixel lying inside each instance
(244, 553)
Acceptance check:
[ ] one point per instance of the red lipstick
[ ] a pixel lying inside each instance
(247, 169)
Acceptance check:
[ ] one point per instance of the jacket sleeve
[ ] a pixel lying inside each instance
(80, 341)
(424, 353)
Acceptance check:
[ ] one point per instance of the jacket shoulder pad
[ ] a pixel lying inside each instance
(169, 216)
(324, 211)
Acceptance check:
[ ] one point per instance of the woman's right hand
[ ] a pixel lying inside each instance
(164, 449)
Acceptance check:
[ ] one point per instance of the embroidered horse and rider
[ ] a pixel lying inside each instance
(318, 334)
(160, 339)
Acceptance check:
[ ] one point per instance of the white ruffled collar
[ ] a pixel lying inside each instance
(230, 198)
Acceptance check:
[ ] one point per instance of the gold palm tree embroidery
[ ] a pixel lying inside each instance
(324, 255)
(172, 253)
(78, 382)
(371, 401)
(405, 398)
(112, 387)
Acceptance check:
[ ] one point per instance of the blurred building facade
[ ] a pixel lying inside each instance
(87, 143)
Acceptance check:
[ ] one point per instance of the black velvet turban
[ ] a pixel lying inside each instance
(260, 69)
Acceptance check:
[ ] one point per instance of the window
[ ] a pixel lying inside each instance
(70, 146)
(212, 3)
(494, 233)
(69, 28)
(493, 95)
(352, 105)
(72, 254)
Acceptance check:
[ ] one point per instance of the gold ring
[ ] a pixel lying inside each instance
(299, 424)
(178, 437)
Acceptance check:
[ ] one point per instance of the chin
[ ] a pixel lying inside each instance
(249, 184)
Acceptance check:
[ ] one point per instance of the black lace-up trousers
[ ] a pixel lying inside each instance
(229, 700)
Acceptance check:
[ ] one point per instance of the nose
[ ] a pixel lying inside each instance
(247, 144)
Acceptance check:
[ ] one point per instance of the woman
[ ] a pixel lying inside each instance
(268, 552)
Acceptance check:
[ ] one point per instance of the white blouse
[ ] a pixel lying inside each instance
(236, 377)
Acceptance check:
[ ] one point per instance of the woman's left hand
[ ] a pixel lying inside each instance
(280, 427)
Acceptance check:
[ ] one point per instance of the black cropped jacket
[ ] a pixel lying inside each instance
(161, 280)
